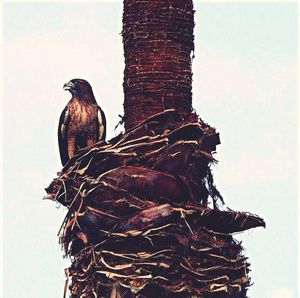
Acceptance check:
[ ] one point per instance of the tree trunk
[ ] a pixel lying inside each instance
(143, 219)
(158, 41)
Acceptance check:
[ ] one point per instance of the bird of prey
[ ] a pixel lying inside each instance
(82, 123)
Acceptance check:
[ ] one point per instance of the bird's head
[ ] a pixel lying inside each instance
(79, 88)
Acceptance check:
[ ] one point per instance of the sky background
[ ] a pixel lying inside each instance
(244, 84)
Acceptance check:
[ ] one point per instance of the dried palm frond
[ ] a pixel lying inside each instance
(144, 217)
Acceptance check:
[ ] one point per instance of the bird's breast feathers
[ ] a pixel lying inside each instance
(83, 116)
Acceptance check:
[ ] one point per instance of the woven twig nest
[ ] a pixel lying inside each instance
(143, 217)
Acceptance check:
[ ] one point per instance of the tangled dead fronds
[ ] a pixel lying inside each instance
(144, 219)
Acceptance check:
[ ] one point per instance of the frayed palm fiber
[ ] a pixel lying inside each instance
(144, 218)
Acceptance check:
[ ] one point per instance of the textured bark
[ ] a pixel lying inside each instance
(158, 42)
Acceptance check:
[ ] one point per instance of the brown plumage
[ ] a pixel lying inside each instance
(82, 122)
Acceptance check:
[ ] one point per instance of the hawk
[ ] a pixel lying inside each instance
(82, 123)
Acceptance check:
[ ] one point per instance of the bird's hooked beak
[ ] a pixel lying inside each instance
(69, 86)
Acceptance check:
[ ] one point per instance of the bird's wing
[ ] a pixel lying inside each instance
(101, 124)
(63, 135)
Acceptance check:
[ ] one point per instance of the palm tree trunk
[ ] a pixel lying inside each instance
(158, 41)
(143, 217)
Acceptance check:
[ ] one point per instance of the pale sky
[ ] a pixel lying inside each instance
(244, 84)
